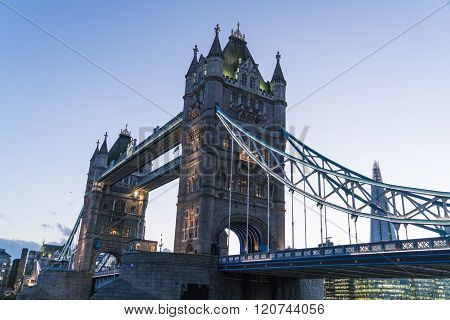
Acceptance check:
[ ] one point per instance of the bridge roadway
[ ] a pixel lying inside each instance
(418, 258)
(161, 141)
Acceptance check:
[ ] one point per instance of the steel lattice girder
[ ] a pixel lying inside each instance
(348, 191)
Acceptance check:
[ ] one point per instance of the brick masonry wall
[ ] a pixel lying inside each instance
(59, 285)
(182, 276)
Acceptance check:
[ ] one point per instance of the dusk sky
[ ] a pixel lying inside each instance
(394, 107)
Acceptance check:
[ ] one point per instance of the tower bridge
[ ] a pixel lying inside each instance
(233, 171)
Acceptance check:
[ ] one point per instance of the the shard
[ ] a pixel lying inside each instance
(380, 230)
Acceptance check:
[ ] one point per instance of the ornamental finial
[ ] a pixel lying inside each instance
(217, 29)
(195, 50)
(125, 131)
(98, 142)
(278, 56)
(237, 33)
(106, 135)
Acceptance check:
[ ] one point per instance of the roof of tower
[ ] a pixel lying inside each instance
(120, 146)
(376, 172)
(216, 49)
(278, 73)
(96, 151)
(104, 147)
(235, 51)
(194, 63)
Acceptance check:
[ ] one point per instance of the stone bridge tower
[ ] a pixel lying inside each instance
(230, 78)
(113, 215)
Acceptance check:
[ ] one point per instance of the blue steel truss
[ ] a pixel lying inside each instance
(330, 184)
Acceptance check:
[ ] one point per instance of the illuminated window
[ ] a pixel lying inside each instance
(227, 184)
(259, 190)
(226, 143)
(190, 226)
(193, 183)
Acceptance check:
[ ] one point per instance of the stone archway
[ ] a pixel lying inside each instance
(111, 252)
(257, 239)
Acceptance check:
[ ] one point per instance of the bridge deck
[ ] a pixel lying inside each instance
(161, 141)
(421, 258)
(164, 174)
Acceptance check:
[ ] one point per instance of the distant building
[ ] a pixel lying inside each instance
(29, 277)
(385, 289)
(20, 271)
(50, 251)
(5, 266)
(380, 230)
(12, 275)
(32, 256)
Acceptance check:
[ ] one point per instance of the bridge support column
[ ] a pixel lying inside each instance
(113, 218)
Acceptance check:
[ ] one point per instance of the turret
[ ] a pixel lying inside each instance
(215, 57)
(98, 163)
(102, 156)
(192, 72)
(278, 83)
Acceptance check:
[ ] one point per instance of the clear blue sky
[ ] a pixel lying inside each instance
(394, 107)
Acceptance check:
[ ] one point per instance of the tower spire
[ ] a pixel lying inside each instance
(194, 63)
(216, 49)
(104, 148)
(376, 172)
(96, 151)
(278, 73)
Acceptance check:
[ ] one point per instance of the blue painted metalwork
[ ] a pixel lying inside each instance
(426, 244)
(102, 278)
(348, 191)
(420, 258)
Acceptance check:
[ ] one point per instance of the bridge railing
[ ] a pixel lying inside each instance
(354, 249)
(105, 273)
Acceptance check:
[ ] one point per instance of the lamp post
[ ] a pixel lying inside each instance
(160, 244)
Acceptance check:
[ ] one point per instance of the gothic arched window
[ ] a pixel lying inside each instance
(252, 82)
(119, 206)
(244, 79)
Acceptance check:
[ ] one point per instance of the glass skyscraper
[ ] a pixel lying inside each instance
(385, 289)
